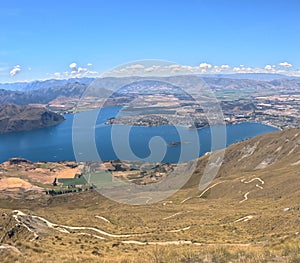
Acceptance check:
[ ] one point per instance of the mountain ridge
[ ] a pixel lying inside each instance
(23, 118)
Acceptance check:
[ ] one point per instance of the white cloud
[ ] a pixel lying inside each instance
(152, 68)
(225, 67)
(136, 66)
(236, 69)
(219, 69)
(285, 65)
(75, 71)
(82, 70)
(15, 70)
(78, 71)
(268, 67)
(57, 75)
(205, 66)
(73, 66)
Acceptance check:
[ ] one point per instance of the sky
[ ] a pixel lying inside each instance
(61, 39)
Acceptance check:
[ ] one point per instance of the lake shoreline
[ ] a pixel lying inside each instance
(53, 144)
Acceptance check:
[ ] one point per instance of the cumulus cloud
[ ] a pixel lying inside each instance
(136, 66)
(285, 65)
(16, 69)
(219, 69)
(225, 67)
(80, 70)
(57, 75)
(270, 67)
(205, 66)
(75, 71)
(73, 66)
(236, 69)
(139, 69)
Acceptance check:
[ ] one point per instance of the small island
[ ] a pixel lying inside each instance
(174, 143)
(15, 118)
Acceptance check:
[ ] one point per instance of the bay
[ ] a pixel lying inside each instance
(55, 143)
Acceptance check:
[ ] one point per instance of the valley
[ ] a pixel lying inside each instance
(176, 97)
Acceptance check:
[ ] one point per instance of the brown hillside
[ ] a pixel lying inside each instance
(22, 118)
(272, 157)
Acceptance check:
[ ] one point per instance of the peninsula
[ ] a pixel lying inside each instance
(15, 118)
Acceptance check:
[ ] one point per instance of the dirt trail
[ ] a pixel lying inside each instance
(244, 219)
(103, 218)
(176, 214)
(199, 196)
(24, 219)
(253, 179)
(245, 197)
(63, 228)
(262, 182)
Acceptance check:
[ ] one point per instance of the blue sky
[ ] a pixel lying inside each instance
(40, 38)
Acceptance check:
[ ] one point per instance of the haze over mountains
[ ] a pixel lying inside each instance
(43, 92)
(35, 85)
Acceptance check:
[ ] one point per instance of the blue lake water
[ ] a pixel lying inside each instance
(55, 143)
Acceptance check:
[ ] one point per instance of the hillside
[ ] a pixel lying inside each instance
(272, 157)
(23, 118)
(249, 213)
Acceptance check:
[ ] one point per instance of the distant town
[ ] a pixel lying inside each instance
(282, 111)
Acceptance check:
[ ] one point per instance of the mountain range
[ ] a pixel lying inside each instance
(46, 91)
(43, 84)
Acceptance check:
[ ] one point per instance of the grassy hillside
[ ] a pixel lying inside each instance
(249, 213)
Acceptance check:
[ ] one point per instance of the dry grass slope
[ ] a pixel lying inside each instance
(250, 213)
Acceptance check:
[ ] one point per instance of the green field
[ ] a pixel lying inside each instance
(72, 181)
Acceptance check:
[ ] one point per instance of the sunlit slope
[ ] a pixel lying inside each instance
(266, 166)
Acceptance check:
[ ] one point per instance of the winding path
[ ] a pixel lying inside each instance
(262, 182)
(199, 196)
(20, 216)
(245, 197)
(103, 218)
(176, 214)
(253, 179)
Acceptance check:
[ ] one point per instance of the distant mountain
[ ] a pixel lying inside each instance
(36, 85)
(252, 76)
(41, 96)
(111, 81)
(46, 91)
(23, 118)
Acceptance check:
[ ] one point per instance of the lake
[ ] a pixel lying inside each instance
(55, 143)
